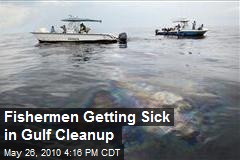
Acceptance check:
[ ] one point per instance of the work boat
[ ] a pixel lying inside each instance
(76, 31)
(182, 29)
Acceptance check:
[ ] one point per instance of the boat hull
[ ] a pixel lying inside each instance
(183, 33)
(72, 37)
(194, 33)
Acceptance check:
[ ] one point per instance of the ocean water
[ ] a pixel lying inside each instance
(199, 77)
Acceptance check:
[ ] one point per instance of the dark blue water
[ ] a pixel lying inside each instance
(199, 77)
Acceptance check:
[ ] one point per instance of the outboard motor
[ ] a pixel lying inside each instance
(122, 37)
(156, 32)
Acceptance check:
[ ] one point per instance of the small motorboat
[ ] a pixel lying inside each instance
(76, 31)
(182, 29)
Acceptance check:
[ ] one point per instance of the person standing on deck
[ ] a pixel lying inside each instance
(64, 29)
(194, 25)
(178, 27)
(82, 28)
(53, 30)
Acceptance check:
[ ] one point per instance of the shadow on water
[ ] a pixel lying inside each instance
(122, 45)
(82, 57)
(80, 52)
(65, 44)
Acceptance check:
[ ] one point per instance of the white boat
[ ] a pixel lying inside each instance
(182, 30)
(74, 37)
(73, 33)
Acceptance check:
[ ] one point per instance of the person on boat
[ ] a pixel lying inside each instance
(53, 30)
(194, 25)
(178, 27)
(82, 28)
(64, 29)
(201, 27)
